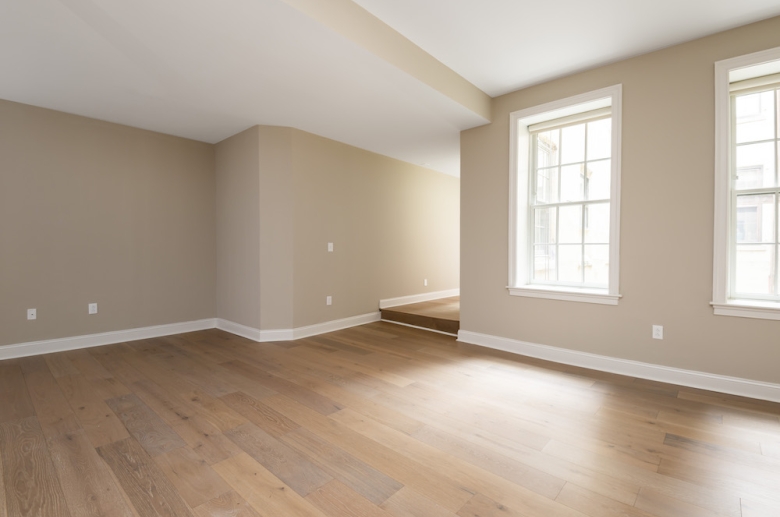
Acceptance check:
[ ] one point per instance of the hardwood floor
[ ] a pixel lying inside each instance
(442, 315)
(373, 421)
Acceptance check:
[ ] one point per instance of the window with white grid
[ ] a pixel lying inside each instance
(570, 201)
(755, 191)
(564, 198)
(746, 245)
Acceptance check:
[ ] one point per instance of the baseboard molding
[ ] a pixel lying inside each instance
(120, 336)
(694, 379)
(239, 330)
(106, 338)
(417, 298)
(332, 326)
(263, 336)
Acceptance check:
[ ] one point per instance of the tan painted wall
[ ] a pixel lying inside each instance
(392, 223)
(97, 212)
(283, 194)
(666, 221)
(277, 235)
(238, 228)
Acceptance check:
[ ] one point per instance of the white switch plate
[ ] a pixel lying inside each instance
(329, 300)
(330, 246)
(425, 282)
(92, 308)
(32, 314)
(658, 332)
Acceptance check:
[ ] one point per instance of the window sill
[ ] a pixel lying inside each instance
(600, 296)
(748, 309)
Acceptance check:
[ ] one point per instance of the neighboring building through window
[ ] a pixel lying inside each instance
(747, 247)
(564, 208)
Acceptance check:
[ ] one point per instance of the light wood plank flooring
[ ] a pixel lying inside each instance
(375, 421)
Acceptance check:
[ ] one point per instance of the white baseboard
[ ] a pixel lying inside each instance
(120, 336)
(417, 298)
(106, 338)
(238, 329)
(702, 380)
(331, 326)
(263, 336)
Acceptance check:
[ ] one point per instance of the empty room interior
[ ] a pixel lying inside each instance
(389, 258)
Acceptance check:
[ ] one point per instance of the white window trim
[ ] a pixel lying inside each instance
(721, 303)
(519, 121)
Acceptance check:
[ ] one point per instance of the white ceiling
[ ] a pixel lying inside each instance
(206, 69)
(504, 45)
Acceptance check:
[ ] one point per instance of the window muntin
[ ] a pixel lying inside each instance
(527, 182)
(569, 203)
(755, 193)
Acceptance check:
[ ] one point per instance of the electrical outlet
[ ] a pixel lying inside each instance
(425, 282)
(328, 300)
(330, 247)
(32, 314)
(658, 331)
(92, 308)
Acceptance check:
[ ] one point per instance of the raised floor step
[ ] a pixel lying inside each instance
(442, 315)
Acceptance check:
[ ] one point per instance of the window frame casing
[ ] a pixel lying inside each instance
(723, 303)
(519, 184)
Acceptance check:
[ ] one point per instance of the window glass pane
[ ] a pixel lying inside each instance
(755, 269)
(572, 183)
(756, 218)
(547, 185)
(598, 179)
(544, 225)
(570, 224)
(597, 264)
(570, 263)
(755, 117)
(597, 223)
(547, 144)
(600, 139)
(544, 263)
(755, 165)
(573, 144)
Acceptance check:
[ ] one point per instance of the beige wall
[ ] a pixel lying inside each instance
(283, 194)
(277, 235)
(238, 228)
(666, 221)
(97, 212)
(392, 223)
(158, 229)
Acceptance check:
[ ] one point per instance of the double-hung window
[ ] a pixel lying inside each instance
(755, 193)
(569, 201)
(747, 244)
(564, 193)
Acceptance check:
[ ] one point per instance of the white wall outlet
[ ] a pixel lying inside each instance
(32, 314)
(658, 331)
(330, 247)
(425, 282)
(328, 300)
(92, 308)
